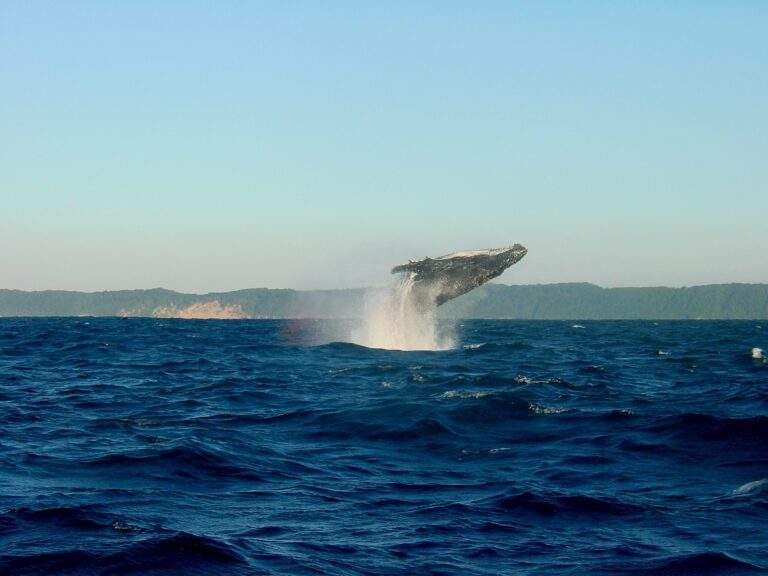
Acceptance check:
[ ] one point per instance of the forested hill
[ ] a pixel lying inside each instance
(541, 301)
(587, 301)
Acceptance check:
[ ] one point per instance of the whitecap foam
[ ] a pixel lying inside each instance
(464, 394)
(520, 379)
(544, 410)
(750, 487)
(758, 353)
(473, 346)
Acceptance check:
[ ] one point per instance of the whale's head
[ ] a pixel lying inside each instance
(498, 260)
(512, 255)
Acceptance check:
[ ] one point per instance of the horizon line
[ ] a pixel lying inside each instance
(352, 288)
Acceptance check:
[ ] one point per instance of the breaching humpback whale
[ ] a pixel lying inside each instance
(437, 280)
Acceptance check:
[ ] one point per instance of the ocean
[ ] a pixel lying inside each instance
(161, 446)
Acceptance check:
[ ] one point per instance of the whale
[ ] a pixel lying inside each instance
(435, 281)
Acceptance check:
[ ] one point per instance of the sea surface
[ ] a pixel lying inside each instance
(146, 446)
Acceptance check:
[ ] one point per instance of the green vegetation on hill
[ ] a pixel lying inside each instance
(587, 302)
(542, 302)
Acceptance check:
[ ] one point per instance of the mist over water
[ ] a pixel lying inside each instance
(400, 319)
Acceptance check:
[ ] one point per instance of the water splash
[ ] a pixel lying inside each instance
(399, 318)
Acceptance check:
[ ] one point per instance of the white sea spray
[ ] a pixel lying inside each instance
(395, 319)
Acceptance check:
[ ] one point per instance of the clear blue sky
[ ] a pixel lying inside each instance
(221, 145)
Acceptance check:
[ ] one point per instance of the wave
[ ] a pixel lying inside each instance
(501, 381)
(79, 517)
(347, 347)
(486, 407)
(338, 427)
(177, 553)
(549, 504)
(177, 462)
(752, 430)
(487, 348)
(699, 564)
(503, 510)
(229, 447)
(750, 488)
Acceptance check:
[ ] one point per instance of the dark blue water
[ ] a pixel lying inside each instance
(132, 446)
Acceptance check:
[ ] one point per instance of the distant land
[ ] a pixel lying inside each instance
(569, 301)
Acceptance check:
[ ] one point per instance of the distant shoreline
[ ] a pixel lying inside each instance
(566, 301)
